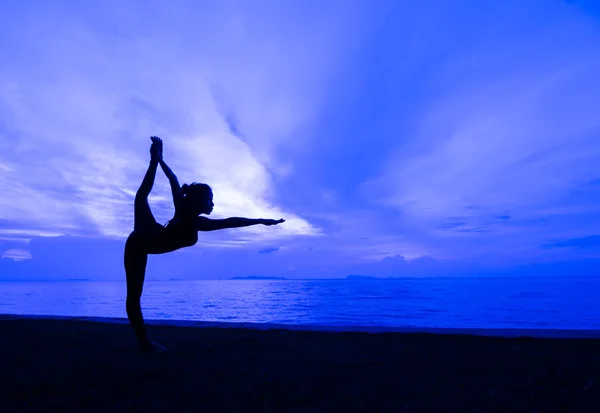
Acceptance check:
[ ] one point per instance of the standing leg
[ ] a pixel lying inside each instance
(135, 270)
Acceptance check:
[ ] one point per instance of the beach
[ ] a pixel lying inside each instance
(68, 364)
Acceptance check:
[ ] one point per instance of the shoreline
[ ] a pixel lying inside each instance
(481, 332)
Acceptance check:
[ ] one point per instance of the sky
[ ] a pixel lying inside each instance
(396, 138)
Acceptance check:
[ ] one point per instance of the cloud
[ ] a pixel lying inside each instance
(101, 259)
(465, 134)
(592, 241)
(75, 121)
(16, 254)
(507, 142)
(268, 250)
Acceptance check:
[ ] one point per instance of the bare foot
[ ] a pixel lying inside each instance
(158, 144)
(152, 347)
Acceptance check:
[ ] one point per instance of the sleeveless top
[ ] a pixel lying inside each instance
(178, 233)
(181, 232)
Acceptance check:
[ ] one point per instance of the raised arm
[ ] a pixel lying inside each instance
(175, 187)
(207, 224)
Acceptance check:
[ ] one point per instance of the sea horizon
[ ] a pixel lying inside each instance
(438, 302)
(363, 278)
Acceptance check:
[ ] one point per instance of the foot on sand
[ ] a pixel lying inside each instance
(152, 347)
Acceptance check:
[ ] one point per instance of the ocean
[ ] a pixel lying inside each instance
(545, 303)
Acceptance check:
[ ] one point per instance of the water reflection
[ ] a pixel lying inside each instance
(491, 303)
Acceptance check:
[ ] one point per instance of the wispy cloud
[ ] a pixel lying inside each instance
(593, 241)
(16, 254)
(382, 133)
(509, 142)
(268, 250)
(76, 118)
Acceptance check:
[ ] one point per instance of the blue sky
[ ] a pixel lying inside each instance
(396, 138)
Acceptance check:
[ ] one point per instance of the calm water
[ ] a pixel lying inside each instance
(572, 303)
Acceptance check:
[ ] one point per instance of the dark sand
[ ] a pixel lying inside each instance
(82, 366)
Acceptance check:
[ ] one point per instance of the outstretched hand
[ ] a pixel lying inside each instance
(156, 149)
(269, 222)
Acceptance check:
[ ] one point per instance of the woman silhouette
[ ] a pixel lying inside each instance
(149, 237)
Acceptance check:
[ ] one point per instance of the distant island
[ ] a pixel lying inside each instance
(361, 277)
(78, 279)
(257, 277)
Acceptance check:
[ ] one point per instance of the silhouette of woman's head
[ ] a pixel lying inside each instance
(197, 198)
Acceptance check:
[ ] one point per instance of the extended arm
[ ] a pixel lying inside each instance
(207, 224)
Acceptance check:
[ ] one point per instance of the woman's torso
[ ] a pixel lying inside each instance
(178, 233)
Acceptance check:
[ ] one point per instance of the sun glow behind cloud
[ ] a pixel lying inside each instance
(382, 133)
(78, 116)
